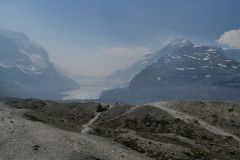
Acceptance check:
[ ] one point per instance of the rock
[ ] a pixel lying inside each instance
(230, 109)
(36, 147)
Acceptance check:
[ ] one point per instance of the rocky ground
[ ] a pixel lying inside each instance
(160, 132)
(28, 139)
(36, 129)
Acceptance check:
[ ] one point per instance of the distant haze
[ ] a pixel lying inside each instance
(95, 38)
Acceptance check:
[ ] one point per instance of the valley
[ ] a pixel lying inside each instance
(119, 80)
(89, 88)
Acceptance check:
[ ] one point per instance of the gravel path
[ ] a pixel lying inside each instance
(190, 119)
(87, 127)
(23, 139)
(117, 117)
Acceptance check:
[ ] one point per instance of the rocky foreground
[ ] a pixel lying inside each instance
(45, 130)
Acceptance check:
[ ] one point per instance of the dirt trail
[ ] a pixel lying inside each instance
(190, 119)
(23, 139)
(87, 127)
(122, 115)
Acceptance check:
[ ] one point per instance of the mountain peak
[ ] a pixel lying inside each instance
(15, 35)
(25, 67)
(180, 42)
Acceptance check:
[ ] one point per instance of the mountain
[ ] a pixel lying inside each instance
(26, 70)
(124, 76)
(189, 72)
(233, 53)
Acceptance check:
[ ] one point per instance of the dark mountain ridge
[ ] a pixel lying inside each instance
(189, 72)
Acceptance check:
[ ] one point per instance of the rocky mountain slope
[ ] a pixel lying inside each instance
(26, 70)
(189, 72)
(124, 76)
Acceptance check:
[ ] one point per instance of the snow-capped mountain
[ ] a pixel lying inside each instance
(188, 72)
(26, 70)
(124, 76)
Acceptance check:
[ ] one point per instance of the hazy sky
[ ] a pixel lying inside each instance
(95, 37)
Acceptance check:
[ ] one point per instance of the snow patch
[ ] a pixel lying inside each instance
(193, 57)
(207, 76)
(211, 50)
(206, 58)
(29, 69)
(159, 78)
(191, 68)
(234, 67)
(196, 46)
(36, 59)
(26, 69)
(180, 69)
(222, 65)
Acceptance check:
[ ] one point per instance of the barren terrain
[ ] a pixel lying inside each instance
(36, 129)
